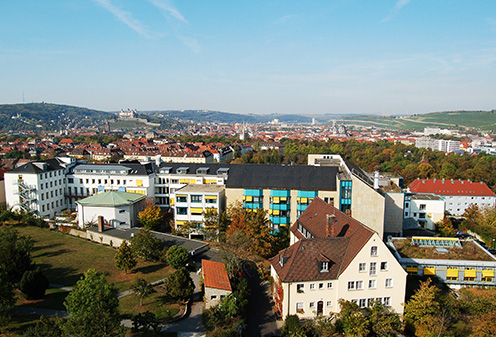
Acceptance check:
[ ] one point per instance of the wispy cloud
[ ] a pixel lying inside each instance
(283, 19)
(169, 9)
(124, 17)
(191, 43)
(399, 5)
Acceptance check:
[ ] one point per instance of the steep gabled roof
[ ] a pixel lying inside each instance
(450, 187)
(39, 166)
(348, 239)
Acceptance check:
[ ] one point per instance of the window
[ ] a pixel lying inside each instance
(351, 285)
(210, 201)
(421, 215)
(389, 282)
(325, 266)
(122, 210)
(374, 251)
(312, 286)
(373, 270)
(384, 266)
(422, 207)
(406, 214)
(321, 286)
(372, 284)
(329, 303)
(329, 285)
(196, 198)
(213, 297)
(182, 210)
(414, 215)
(311, 304)
(182, 198)
(362, 267)
(70, 180)
(361, 303)
(300, 288)
(299, 307)
(386, 301)
(80, 180)
(359, 284)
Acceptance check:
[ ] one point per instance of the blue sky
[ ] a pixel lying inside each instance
(305, 57)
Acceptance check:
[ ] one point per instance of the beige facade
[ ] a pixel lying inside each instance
(387, 283)
(393, 215)
(214, 296)
(367, 206)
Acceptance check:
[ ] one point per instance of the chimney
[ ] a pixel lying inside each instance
(158, 160)
(100, 224)
(331, 228)
(376, 180)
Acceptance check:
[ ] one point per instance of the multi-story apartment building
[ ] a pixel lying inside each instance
(284, 191)
(457, 194)
(38, 186)
(333, 256)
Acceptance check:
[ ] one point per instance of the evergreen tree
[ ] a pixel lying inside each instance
(124, 258)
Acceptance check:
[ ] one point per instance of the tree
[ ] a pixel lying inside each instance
(34, 284)
(485, 326)
(7, 297)
(142, 289)
(383, 322)
(445, 228)
(179, 285)
(15, 253)
(177, 257)
(351, 320)
(93, 307)
(46, 327)
(429, 311)
(124, 258)
(146, 246)
(151, 217)
(291, 326)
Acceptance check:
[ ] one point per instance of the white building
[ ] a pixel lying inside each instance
(458, 194)
(38, 186)
(119, 209)
(192, 201)
(426, 209)
(332, 257)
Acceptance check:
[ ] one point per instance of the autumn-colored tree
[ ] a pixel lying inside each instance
(351, 320)
(485, 326)
(151, 217)
(382, 321)
(445, 228)
(124, 257)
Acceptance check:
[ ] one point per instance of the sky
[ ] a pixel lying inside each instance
(251, 56)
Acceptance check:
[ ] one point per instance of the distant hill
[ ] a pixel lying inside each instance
(47, 116)
(482, 120)
(226, 117)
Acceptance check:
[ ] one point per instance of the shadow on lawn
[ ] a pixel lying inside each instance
(65, 276)
(150, 269)
(54, 253)
(43, 247)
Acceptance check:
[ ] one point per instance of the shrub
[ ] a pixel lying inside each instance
(34, 284)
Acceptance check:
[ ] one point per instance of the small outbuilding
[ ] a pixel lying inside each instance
(119, 209)
(216, 281)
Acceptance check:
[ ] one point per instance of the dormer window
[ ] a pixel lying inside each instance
(324, 267)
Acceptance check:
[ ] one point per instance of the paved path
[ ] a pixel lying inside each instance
(40, 312)
(193, 323)
(59, 286)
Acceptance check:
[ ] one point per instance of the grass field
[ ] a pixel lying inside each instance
(158, 303)
(54, 299)
(65, 258)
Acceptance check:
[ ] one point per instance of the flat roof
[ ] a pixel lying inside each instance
(470, 251)
(192, 246)
(201, 188)
(425, 196)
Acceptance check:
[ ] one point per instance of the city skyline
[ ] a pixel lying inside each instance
(389, 57)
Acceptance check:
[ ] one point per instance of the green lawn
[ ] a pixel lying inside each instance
(19, 324)
(65, 258)
(158, 303)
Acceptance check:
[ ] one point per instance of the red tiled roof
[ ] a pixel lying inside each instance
(302, 259)
(215, 275)
(450, 187)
